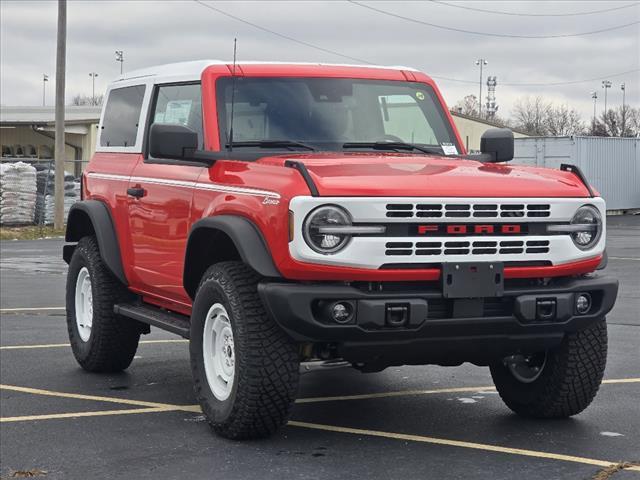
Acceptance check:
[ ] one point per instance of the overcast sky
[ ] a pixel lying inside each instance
(153, 32)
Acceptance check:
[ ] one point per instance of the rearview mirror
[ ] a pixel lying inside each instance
(167, 140)
(497, 144)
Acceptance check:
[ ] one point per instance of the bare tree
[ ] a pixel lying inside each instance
(563, 121)
(530, 115)
(633, 123)
(87, 100)
(618, 123)
(467, 106)
(628, 121)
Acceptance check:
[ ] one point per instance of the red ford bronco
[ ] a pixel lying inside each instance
(275, 214)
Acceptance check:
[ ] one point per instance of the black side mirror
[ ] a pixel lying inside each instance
(497, 143)
(167, 140)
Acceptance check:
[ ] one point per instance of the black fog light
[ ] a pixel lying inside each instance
(583, 303)
(341, 312)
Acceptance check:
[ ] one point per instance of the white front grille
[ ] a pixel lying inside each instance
(373, 252)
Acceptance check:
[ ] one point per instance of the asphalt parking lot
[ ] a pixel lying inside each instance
(405, 423)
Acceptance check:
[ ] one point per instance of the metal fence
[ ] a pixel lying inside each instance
(612, 165)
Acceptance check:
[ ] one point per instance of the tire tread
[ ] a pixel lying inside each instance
(268, 370)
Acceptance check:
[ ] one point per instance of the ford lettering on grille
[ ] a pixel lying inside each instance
(470, 229)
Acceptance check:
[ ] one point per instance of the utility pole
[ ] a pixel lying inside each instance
(45, 79)
(120, 58)
(623, 113)
(93, 76)
(606, 84)
(594, 95)
(61, 54)
(481, 62)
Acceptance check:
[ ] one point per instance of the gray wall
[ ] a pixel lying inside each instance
(612, 165)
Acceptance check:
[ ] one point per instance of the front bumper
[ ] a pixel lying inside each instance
(436, 330)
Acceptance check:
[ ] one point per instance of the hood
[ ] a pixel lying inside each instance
(404, 175)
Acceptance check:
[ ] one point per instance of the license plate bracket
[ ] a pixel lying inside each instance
(472, 279)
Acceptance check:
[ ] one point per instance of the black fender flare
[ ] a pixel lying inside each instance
(92, 217)
(246, 238)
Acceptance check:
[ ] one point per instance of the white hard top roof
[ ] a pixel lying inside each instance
(195, 68)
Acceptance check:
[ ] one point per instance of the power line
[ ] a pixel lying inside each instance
(535, 14)
(278, 34)
(487, 34)
(571, 82)
(367, 62)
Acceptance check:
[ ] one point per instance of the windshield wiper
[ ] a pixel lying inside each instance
(289, 144)
(394, 146)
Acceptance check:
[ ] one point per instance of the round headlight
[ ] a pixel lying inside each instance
(589, 218)
(319, 221)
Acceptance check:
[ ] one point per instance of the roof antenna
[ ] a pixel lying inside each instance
(233, 94)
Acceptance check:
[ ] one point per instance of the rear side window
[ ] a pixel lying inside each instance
(181, 105)
(121, 117)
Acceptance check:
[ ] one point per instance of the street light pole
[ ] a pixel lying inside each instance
(45, 79)
(481, 62)
(606, 84)
(120, 58)
(93, 76)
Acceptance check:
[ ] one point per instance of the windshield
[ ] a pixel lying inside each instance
(327, 113)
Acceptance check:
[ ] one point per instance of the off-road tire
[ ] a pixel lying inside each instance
(569, 380)
(266, 360)
(113, 340)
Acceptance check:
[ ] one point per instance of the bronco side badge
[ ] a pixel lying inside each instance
(270, 201)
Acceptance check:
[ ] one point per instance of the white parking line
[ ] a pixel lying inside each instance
(58, 345)
(458, 443)
(30, 309)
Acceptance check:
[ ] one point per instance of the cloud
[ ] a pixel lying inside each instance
(168, 31)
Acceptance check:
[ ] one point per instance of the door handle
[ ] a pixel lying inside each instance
(137, 192)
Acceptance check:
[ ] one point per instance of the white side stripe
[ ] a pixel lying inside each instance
(215, 187)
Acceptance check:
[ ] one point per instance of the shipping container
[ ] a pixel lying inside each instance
(611, 164)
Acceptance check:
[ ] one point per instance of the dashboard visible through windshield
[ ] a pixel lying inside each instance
(332, 114)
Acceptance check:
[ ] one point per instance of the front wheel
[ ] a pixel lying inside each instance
(101, 340)
(558, 383)
(245, 368)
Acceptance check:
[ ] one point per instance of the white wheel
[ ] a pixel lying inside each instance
(84, 304)
(219, 352)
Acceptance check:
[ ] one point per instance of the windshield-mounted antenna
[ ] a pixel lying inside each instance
(233, 94)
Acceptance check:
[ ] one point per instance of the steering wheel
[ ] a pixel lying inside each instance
(391, 138)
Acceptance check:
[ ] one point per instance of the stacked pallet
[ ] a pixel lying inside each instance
(17, 193)
(45, 204)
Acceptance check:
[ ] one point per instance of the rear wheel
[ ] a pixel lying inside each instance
(244, 366)
(101, 340)
(558, 383)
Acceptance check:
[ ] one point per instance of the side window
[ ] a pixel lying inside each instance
(180, 104)
(121, 117)
(403, 118)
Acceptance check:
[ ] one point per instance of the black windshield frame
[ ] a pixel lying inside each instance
(223, 83)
